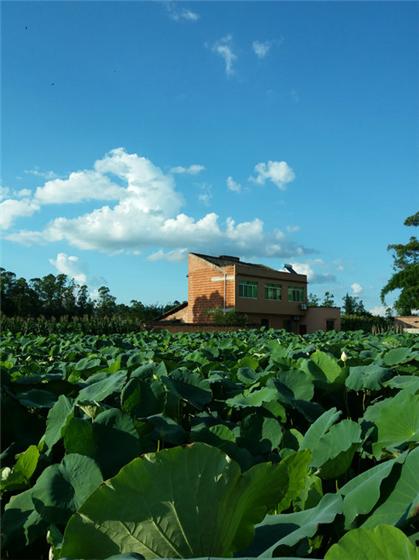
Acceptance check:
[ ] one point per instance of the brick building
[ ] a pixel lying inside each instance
(268, 297)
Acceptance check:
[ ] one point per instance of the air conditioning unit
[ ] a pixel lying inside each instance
(303, 306)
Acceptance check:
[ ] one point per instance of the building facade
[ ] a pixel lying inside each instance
(268, 297)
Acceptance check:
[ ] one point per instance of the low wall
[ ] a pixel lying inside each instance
(194, 327)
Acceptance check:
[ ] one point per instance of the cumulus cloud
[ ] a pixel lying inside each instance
(356, 288)
(378, 310)
(205, 196)
(233, 185)
(193, 169)
(224, 48)
(181, 14)
(278, 172)
(261, 48)
(71, 266)
(145, 214)
(293, 229)
(11, 209)
(313, 276)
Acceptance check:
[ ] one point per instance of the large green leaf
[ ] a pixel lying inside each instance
(319, 428)
(99, 391)
(397, 421)
(57, 418)
(397, 356)
(62, 489)
(328, 365)
(181, 502)
(288, 529)
(110, 439)
(190, 387)
(336, 448)
(254, 398)
(363, 492)
(22, 471)
(142, 398)
(366, 377)
(21, 523)
(403, 502)
(381, 543)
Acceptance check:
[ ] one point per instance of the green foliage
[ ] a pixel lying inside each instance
(203, 436)
(221, 317)
(406, 276)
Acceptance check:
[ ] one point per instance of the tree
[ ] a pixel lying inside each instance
(406, 276)
(106, 302)
(328, 300)
(353, 306)
(313, 300)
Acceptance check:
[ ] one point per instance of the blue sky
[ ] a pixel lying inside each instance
(277, 131)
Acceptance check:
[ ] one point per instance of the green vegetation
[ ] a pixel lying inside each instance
(55, 297)
(406, 276)
(250, 443)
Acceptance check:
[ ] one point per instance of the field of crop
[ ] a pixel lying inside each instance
(248, 444)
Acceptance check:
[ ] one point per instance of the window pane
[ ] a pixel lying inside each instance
(248, 289)
(273, 291)
(296, 294)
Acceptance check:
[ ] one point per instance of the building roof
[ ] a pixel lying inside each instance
(173, 310)
(226, 260)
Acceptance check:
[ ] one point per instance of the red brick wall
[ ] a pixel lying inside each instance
(204, 293)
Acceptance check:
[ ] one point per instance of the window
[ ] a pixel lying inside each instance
(273, 291)
(296, 294)
(248, 289)
(330, 324)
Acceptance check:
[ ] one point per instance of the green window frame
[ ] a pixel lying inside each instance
(296, 294)
(248, 289)
(273, 292)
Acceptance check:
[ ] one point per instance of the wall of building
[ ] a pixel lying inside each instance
(316, 318)
(266, 306)
(206, 289)
(408, 322)
(180, 315)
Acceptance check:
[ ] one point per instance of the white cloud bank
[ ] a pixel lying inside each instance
(11, 209)
(277, 172)
(193, 169)
(224, 48)
(145, 213)
(357, 289)
(313, 276)
(181, 14)
(233, 185)
(70, 266)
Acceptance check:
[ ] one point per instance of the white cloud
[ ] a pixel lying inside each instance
(224, 48)
(71, 266)
(80, 186)
(293, 229)
(145, 214)
(205, 195)
(261, 49)
(312, 276)
(356, 288)
(11, 209)
(278, 172)
(43, 174)
(181, 14)
(233, 185)
(193, 169)
(171, 256)
(379, 310)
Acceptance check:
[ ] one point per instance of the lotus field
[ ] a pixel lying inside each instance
(241, 444)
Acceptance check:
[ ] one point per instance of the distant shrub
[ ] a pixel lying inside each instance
(221, 317)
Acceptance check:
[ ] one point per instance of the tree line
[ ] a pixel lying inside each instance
(54, 296)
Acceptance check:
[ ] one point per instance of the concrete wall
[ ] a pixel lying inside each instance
(316, 318)
(206, 289)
